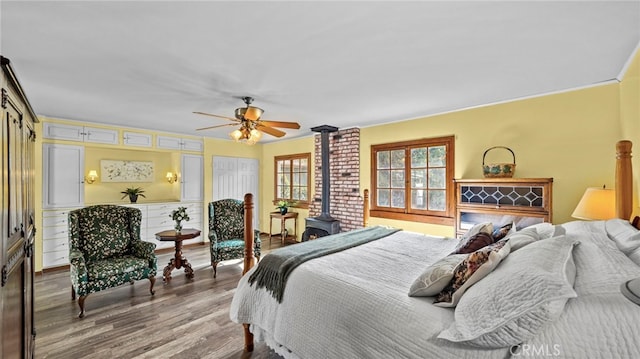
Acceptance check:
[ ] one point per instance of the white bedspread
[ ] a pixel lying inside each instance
(354, 304)
(600, 322)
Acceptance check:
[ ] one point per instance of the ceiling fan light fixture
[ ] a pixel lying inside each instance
(251, 126)
(240, 111)
(253, 113)
(255, 134)
(236, 135)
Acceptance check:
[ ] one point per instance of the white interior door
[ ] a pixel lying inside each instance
(235, 176)
(63, 183)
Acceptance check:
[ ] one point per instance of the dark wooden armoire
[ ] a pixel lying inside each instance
(17, 330)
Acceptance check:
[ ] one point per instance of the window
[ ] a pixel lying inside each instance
(413, 180)
(293, 178)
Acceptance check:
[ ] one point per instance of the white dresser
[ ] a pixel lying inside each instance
(55, 237)
(156, 217)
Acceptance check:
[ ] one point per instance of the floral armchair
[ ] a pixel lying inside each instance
(226, 232)
(105, 250)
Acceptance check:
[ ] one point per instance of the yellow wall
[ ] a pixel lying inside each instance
(269, 151)
(160, 190)
(630, 116)
(568, 136)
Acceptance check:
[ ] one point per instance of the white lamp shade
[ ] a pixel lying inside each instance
(93, 174)
(596, 204)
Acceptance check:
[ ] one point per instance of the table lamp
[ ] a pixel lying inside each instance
(596, 204)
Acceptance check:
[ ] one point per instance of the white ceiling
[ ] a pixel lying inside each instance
(147, 64)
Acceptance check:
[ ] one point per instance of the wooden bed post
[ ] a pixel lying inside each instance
(624, 180)
(365, 215)
(249, 259)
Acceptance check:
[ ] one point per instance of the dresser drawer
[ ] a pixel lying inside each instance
(61, 220)
(55, 232)
(55, 259)
(155, 222)
(160, 210)
(57, 213)
(55, 245)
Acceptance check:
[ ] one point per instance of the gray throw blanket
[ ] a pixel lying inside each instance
(274, 269)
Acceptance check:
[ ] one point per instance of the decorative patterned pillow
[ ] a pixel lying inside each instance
(527, 291)
(503, 231)
(485, 227)
(473, 268)
(473, 243)
(436, 276)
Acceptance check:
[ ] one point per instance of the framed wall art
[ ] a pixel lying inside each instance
(126, 171)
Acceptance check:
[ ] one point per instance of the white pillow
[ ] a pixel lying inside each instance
(522, 237)
(547, 230)
(635, 256)
(528, 290)
(625, 236)
(474, 267)
(436, 276)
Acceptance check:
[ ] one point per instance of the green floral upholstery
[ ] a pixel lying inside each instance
(105, 250)
(226, 232)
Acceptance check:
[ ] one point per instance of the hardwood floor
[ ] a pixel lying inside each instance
(186, 319)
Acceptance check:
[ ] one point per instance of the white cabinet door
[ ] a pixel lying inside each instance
(192, 145)
(225, 170)
(59, 131)
(137, 139)
(169, 143)
(101, 135)
(176, 143)
(63, 180)
(62, 132)
(192, 178)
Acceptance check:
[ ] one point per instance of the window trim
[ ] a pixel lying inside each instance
(290, 158)
(445, 217)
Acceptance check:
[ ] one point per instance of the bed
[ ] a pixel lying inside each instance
(552, 290)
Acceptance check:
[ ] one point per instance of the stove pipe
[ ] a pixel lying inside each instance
(326, 180)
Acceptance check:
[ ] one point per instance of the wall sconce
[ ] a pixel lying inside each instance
(172, 177)
(91, 177)
(596, 204)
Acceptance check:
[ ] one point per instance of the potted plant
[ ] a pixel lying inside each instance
(283, 206)
(133, 193)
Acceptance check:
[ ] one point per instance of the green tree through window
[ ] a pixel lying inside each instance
(292, 179)
(413, 180)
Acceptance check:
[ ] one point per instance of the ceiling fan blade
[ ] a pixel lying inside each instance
(210, 127)
(272, 131)
(218, 116)
(282, 124)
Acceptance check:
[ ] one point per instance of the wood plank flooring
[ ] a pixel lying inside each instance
(185, 319)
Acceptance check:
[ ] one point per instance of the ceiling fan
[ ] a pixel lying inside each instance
(251, 126)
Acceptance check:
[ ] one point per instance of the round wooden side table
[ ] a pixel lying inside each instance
(178, 261)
